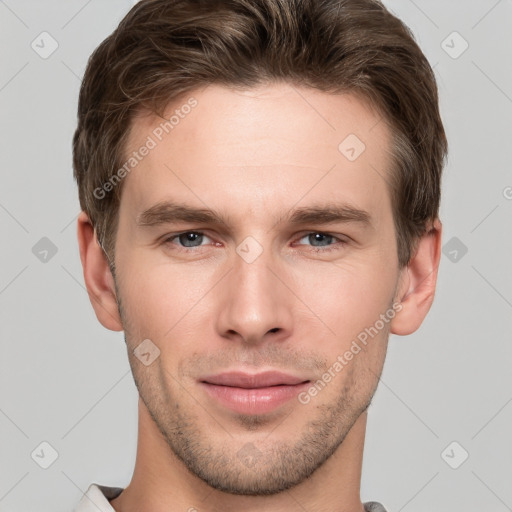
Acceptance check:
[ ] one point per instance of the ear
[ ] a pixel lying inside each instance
(418, 282)
(97, 276)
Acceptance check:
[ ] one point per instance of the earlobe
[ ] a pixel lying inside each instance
(418, 282)
(97, 276)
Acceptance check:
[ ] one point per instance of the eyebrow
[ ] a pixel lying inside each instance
(167, 212)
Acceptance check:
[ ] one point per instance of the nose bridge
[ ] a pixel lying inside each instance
(254, 300)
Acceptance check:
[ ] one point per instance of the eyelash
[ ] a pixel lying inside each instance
(332, 247)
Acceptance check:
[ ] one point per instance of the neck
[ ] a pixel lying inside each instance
(161, 482)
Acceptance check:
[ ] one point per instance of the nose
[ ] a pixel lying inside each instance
(255, 303)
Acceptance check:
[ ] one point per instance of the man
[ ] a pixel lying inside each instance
(260, 185)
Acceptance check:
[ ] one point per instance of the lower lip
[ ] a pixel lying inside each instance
(255, 400)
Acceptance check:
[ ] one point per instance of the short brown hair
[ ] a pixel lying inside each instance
(165, 48)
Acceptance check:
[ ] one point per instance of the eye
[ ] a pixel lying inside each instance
(320, 242)
(187, 239)
(317, 237)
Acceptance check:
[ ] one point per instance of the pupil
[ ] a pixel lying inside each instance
(318, 237)
(190, 237)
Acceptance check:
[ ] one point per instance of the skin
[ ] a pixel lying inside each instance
(254, 156)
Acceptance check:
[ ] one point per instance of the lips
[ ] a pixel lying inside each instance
(253, 381)
(252, 393)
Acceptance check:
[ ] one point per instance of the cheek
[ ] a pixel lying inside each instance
(347, 296)
(159, 298)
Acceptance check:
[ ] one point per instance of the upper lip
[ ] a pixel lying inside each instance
(248, 381)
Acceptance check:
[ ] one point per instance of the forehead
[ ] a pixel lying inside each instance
(258, 144)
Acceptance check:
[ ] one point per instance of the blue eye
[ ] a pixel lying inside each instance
(319, 237)
(320, 242)
(187, 238)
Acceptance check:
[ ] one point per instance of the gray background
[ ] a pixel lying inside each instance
(65, 380)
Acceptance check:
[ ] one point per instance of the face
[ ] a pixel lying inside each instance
(295, 262)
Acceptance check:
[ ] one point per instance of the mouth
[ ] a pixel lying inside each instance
(253, 393)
